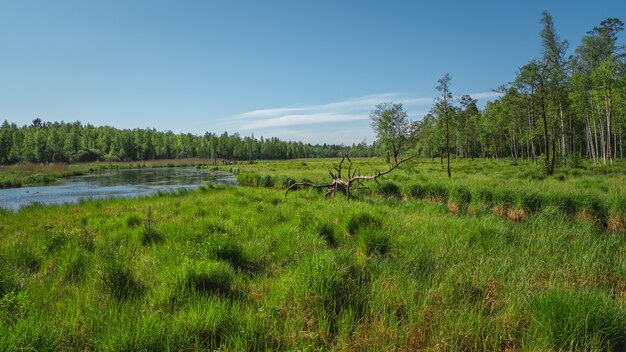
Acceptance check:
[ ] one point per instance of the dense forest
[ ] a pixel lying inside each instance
(556, 108)
(75, 142)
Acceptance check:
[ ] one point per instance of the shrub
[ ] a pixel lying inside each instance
(574, 160)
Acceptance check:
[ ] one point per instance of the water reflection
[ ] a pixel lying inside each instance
(115, 183)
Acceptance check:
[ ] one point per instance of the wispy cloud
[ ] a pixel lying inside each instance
(335, 122)
(486, 95)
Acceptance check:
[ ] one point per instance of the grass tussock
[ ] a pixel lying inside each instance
(496, 258)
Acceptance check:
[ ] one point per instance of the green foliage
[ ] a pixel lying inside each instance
(255, 180)
(117, 277)
(207, 278)
(578, 320)
(360, 221)
(245, 268)
(437, 191)
(133, 220)
(416, 191)
(531, 202)
(389, 189)
(327, 232)
(485, 196)
(461, 195)
(74, 142)
(374, 242)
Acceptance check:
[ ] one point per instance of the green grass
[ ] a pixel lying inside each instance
(526, 263)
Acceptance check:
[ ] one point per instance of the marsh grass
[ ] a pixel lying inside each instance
(247, 268)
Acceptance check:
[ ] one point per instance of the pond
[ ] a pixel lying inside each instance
(114, 183)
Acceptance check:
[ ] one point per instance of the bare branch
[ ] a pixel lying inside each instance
(354, 177)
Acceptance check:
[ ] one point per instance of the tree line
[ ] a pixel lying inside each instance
(42, 142)
(556, 108)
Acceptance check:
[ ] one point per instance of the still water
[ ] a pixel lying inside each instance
(114, 183)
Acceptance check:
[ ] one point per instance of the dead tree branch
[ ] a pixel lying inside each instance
(354, 180)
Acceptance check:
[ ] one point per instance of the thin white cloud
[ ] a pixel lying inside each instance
(485, 95)
(302, 119)
(338, 122)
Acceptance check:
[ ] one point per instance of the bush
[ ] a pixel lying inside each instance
(285, 181)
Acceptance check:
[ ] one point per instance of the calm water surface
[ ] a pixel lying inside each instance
(115, 183)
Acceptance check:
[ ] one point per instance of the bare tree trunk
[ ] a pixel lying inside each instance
(531, 126)
(448, 146)
(563, 146)
(546, 140)
(457, 147)
(621, 152)
(608, 127)
(602, 141)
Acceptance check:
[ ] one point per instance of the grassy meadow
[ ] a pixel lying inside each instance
(498, 258)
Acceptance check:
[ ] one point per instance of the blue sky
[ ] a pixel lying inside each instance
(309, 71)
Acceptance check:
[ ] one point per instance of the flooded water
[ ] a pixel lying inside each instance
(114, 183)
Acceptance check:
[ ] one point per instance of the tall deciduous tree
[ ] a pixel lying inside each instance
(391, 124)
(555, 76)
(444, 107)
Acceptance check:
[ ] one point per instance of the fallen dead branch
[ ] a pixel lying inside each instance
(354, 179)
